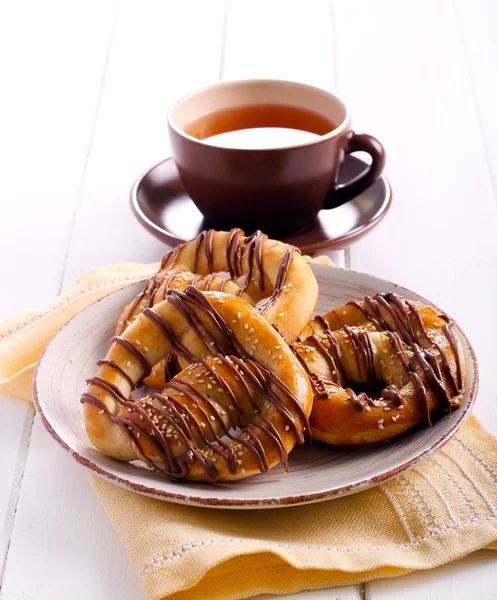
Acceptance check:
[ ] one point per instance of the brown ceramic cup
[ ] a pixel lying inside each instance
(279, 190)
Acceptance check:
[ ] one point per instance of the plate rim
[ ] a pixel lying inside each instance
(287, 501)
(342, 241)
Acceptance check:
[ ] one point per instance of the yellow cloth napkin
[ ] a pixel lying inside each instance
(435, 513)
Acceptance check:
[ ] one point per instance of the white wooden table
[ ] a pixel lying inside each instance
(85, 87)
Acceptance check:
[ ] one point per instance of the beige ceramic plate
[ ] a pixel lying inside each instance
(316, 472)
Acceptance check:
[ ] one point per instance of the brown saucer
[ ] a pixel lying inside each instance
(162, 205)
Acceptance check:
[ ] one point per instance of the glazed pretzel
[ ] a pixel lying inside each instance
(404, 350)
(267, 273)
(236, 410)
(154, 292)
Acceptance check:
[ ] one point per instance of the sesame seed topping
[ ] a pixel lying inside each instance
(101, 412)
(209, 386)
(280, 357)
(239, 315)
(245, 326)
(277, 347)
(128, 364)
(233, 321)
(281, 314)
(71, 360)
(213, 418)
(287, 427)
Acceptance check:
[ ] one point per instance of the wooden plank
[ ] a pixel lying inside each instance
(63, 545)
(46, 127)
(337, 593)
(160, 50)
(15, 429)
(410, 88)
(478, 23)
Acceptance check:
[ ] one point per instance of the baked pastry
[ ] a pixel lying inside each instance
(236, 410)
(379, 367)
(268, 274)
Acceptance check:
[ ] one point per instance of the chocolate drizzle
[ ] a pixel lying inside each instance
(203, 424)
(243, 255)
(403, 324)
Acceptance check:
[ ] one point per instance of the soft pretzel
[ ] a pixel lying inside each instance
(404, 351)
(154, 292)
(269, 274)
(236, 410)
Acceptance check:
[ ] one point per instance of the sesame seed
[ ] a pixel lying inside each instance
(233, 321)
(201, 380)
(203, 424)
(380, 426)
(209, 386)
(128, 364)
(243, 469)
(281, 314)
(101, 412)
(71, 360)
(141, 417)
(269, 352)
(401, 406)
(287, 427)
(231, 407)
(239, 315)
(198, 375)
(220, 389)
(137, 342)
(220, 301)
(245, 326)
(277, 347)
(386, 409)
(280, 357)
(130, 410)
(213, 418)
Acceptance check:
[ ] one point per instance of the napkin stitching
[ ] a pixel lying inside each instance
(439, 492)
(475, 484)
(418, 500)
(66, 302)
(160, 561)
(482, 463)
(398, 511)
(466, 501)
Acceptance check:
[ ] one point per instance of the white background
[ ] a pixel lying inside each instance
(84, 92)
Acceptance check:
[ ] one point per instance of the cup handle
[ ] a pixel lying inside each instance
(344, 192)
